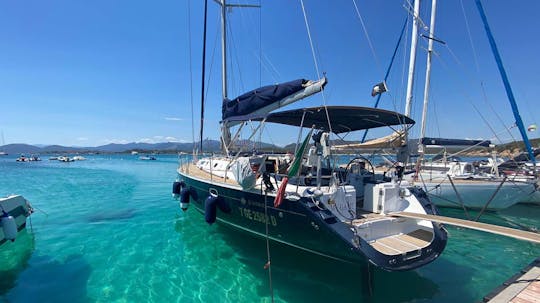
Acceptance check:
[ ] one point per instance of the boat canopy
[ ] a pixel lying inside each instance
(342, 118)
(260, 100)
(455, 142)
(395, 139)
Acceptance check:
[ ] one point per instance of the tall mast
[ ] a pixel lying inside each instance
(403, 152)
(203, 75)
(412, 57)
(428, 75)
(223, 49)
(225, 134)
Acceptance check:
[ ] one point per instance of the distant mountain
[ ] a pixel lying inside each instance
(19, 148)
(208, 146)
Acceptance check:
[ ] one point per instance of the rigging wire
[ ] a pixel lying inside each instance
(475, 57)
(316, 65)
(367, 36)
(484, 98)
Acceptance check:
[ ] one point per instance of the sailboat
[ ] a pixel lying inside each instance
(454, 182)
(3, 153)
(301, 200)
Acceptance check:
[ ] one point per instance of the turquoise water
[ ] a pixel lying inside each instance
(107, 230)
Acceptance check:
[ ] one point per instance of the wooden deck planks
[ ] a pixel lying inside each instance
(192, 170)
(495, 229)
(523, 288)
(400, 244)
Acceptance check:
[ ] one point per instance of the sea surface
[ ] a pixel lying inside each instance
(107, 230)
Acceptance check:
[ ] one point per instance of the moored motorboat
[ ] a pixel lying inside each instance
(14, 210)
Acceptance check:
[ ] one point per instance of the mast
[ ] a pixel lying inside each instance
(412, 57)
(203, 75)
(223, 50)
(507, 87)
(428, 76)
(403, 152)
(225, 133)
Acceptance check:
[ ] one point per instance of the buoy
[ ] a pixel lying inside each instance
(9, 226)
(210, 209)
(177, 188)
(184, 199)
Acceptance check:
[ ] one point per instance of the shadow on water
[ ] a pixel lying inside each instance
(457, 276)
(14, 258)
(112, 215)
(48, 280)
(304, 277)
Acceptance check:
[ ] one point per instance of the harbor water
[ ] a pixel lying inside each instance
(107, 230)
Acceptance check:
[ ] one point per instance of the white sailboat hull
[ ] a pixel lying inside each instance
(475, 194)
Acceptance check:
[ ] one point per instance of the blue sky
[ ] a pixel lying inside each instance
(88, 73)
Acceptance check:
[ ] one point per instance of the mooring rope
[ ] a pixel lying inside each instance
(268, 262)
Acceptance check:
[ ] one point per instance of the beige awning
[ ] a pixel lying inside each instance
(395, 139)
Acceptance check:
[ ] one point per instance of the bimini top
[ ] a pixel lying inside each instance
(343, 118)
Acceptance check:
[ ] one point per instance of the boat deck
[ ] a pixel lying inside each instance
(192, 170)
(403, 243)
(495, 229)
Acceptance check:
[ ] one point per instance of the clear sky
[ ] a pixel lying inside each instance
(88, 73)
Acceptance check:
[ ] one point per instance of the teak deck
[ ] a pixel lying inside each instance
(494, 229)
(400, 244)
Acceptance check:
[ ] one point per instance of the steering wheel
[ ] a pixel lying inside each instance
(369, 167)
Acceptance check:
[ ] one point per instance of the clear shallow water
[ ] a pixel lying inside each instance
(107, 230)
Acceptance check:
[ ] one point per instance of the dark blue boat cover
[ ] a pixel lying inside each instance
(259, 98)
(455, 142)
(342, 118)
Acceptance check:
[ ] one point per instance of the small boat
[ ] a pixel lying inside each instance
(79, 158)
(34, 158)
(53, 158)
(23, 158)
(147, 157)
(14, 210)
(65, 159)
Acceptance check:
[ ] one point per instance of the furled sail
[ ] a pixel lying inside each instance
(395, 139)
(454, 142)
(268, 98)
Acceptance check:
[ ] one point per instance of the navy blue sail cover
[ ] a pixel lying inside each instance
(259, 98)
(454, 142)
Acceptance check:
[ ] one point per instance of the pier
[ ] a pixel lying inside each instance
(490, 228)
(523, 287)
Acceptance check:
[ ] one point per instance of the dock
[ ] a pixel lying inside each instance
(523, 287)
(490, 228)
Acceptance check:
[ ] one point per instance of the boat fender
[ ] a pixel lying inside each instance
(184, 199)
(193, 193)
(223, 205)
(9, 226)
(210, 209)
(176, 188)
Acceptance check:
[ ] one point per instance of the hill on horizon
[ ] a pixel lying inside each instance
(208, 145)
